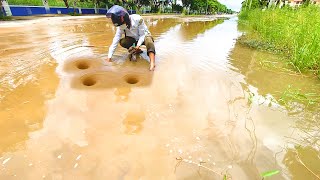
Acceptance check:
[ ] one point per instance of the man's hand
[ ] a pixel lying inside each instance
(138, 50)
(109, 60)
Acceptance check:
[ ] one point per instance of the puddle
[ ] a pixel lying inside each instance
(65, 113)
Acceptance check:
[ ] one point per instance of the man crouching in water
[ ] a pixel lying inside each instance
(135, 33)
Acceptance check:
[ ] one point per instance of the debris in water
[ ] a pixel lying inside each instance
(78, 157)
(6, 160)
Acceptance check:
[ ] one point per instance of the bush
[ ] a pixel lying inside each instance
(177, 8)
(155, 9)
(184, 11)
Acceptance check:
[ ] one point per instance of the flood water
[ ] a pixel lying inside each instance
(67, 114)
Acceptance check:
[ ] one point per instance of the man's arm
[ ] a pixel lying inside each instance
(143, 31)
(115, 42)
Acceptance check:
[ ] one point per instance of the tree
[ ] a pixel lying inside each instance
(252, 4)
(215, 6)
(140, 3)
(186, 3)
(264, 3)
(66, 3)
(207, 6)
(1, 9)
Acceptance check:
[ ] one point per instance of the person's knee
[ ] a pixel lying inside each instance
(148, 39)
(149, 44)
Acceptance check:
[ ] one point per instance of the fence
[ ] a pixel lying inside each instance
(15, 10)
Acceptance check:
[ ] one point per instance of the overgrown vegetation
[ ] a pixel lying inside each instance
(165, 6)
(205, 6)
(294, 32)
(5, 18)
(292, 95)
(56, 3)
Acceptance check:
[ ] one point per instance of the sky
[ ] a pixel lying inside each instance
(232, 4)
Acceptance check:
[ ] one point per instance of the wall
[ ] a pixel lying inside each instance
(37, 10)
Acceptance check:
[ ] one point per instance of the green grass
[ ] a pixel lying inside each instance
(73, 14)
(292, 32)
(4, 18)
(26, 2)
(291, 95)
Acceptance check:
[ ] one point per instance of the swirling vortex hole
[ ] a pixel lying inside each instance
(89, 81)
(132, 80)
(82, 65)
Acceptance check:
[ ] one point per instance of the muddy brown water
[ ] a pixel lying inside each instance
(66, 114)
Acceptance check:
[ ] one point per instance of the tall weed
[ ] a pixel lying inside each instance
(295, 32)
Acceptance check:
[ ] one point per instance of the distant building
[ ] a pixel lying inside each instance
(292, 3)
(295, 2)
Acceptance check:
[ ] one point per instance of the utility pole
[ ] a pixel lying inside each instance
(6, 7)
(1, 10)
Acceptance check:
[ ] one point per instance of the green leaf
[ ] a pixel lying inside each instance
(270, 173)
(225, 177)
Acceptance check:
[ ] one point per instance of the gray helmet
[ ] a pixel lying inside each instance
(116, 12)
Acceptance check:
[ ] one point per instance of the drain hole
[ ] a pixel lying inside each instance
(132, 80)
(83, 65)
(89, 81)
